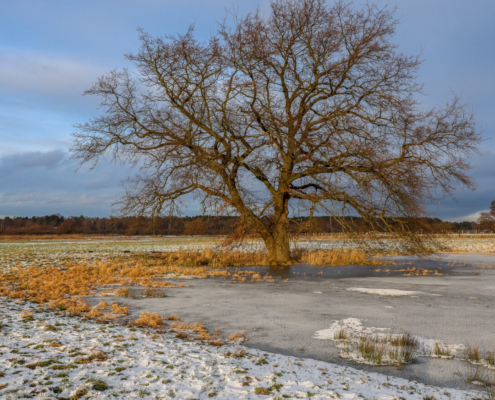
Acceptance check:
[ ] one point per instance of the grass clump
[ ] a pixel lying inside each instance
(490, 358)
(336, 257)
(118, 309)
(442, 350)
(371, 349)
(155, 293)
(262, 390)
(379, 349)
(27, 316)
(50, 328)
(148, 320)
(99, 385)
(213, 259)
(341, 334)
(238, 337)
(473, 353)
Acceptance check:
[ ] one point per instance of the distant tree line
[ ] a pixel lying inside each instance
(214, 225)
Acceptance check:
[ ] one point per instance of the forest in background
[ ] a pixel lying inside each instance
(205, 225)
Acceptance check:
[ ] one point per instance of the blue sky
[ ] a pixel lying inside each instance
(52, 50)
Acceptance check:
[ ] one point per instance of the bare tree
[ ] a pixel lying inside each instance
(311, 106)
(486, 220)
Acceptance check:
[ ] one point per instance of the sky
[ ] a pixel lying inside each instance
(52, 50)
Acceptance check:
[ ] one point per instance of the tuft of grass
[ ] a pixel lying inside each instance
(50, 328)
(182, 335)
(154, 293)
(99, 385)
(148, 320)
(27, 315)
(336, 257)
(490, 358)
(213, 259)
(381, 349)
(238, 337)
(403, 340)
(118, 309)
(93, 313)
(98, 355)
(473, 353)
(275, 386)
(371, 349)
(490, 391)
(262, 390)
(341, 334)
(125, 292)
(478, 374)
(442, 350)
(102, 305)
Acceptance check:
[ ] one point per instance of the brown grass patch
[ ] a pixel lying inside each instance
(213, 259)
(93, 313)
(102, 305)
(64, 287)
(26, 314)
(121, 310)
(148, 320)
(238, 337)
(336, 257)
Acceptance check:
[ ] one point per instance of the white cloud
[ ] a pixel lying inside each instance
(470, 217)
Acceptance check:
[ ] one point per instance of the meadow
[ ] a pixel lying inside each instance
(71, 327)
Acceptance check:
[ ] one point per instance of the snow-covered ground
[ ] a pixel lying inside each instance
(58, 356)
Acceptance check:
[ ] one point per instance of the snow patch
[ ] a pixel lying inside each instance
(384, 292)
(349, 332)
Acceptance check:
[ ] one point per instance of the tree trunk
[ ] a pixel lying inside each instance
(278, 247)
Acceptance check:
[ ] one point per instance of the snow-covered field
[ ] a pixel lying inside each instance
(56, 356)
(58, 252)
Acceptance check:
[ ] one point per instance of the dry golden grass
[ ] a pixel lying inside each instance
(148, 320)
(121, 310)
(336, 257)
(212, 259)
(473, 353)
(102, 305)
(93, 313)
(222, 259)
(64, 287)
(109, 317)
(26, 314)
(238, 337)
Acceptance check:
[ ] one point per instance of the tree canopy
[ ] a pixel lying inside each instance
(311, 106)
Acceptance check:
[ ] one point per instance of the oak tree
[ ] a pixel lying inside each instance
(310, 105)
